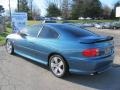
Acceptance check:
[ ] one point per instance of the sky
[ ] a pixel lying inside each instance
(42, 5)
(110, 3)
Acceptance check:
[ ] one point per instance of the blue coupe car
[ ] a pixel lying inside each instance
(64, 48)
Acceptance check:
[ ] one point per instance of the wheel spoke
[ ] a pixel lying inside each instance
(53, 65)
(9, 47)
(56, 60)
(60, 70)
(56, 70)
(57, 66)
(60, 64)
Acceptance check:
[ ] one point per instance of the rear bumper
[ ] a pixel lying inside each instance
(90, 66)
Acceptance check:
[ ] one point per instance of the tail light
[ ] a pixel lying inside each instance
(91, 52)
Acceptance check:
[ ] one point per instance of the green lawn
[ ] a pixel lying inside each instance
(89, 21)
(3, 35)
(31, 22)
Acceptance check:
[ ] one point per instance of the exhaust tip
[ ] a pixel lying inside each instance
(94, 73)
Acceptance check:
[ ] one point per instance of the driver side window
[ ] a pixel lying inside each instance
(31, 31)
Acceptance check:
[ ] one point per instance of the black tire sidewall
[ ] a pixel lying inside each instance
(114, 28)
(103, 27)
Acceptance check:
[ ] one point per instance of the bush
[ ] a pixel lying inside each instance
(8, 24)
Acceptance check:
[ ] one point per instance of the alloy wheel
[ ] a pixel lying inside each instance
(57, 66)
(9, 47)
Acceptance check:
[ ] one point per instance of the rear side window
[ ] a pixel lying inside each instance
(48, 33)
(74, 31)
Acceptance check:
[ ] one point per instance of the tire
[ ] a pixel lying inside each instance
(103, 27)
(9, 47)
(114, 28)
(58, 66)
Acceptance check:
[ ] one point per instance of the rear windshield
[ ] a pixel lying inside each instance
(75, 31)
(50, 21)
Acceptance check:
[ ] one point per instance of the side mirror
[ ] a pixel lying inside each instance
(23, 34)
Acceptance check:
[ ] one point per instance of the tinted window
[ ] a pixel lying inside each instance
(32, 31)
(74, 31)
(50, 21)
(48, 33)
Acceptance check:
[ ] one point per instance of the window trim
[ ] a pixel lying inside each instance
(37, 33)
(40, 31)
(48, 38)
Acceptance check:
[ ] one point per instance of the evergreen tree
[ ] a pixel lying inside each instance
(53, 10)
(23, 7)
(86, 8)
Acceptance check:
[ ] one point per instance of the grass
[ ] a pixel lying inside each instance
(32, 22)
(89, 21)
(3, 35)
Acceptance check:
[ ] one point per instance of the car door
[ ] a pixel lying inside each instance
(35, 44)
(23, 45)
(20, 42)
(35, 48)
(41, 45)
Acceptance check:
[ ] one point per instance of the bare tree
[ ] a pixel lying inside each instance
(31, 7)
(10, 9)
(63, 5)
(106, 11)
(66, 8)
(18, 5)
(58, 3)
(36, 13)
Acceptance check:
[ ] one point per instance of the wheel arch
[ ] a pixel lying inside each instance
(9, 40)
(6, 40)
(55, 53)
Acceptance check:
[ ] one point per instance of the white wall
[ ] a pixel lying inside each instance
(117, 11)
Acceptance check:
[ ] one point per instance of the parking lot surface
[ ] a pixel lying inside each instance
(18, 73)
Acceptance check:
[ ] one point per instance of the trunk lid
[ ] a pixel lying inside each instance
(104, 43)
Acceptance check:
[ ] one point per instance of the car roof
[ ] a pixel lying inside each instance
(52, 24)
(49, 24)
(55, 24)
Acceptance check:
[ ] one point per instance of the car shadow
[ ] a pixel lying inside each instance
(33, 62)
(109, 80)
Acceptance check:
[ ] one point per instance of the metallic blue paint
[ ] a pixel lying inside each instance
(39, 49)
